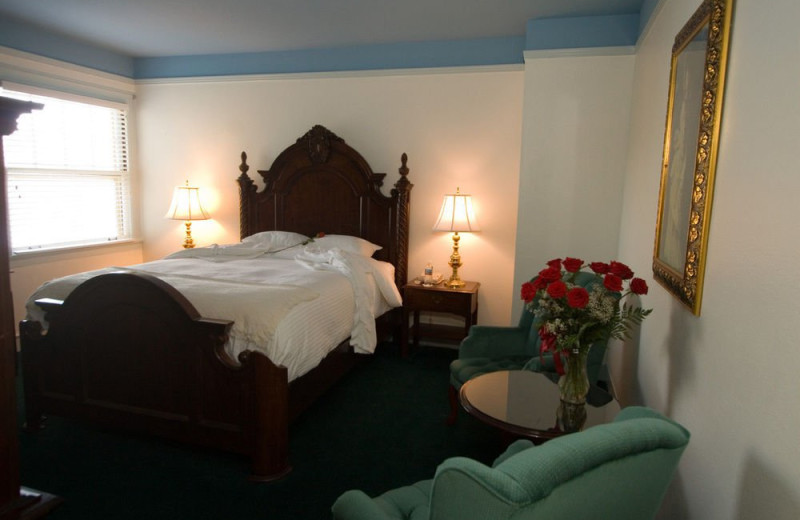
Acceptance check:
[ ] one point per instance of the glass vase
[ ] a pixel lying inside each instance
(570, 417)
(573, 385)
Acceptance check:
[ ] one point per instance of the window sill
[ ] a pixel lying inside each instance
(43, 255)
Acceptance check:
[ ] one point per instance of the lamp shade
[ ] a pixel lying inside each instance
(186, 204)
(456, 214)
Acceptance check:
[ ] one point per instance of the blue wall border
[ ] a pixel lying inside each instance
(485, 51)
(582, 32)
(541, 34)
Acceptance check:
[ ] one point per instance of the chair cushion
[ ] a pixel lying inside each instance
(407, 502)
(462, 370)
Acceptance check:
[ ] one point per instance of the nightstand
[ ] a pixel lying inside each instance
(462, 302)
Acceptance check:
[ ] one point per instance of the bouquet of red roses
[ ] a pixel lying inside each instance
(576, 307)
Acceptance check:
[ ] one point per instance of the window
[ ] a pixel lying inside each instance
(67, 166)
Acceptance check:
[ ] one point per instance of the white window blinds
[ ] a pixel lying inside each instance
(68, 181)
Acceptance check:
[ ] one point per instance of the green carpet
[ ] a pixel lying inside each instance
(381, 427)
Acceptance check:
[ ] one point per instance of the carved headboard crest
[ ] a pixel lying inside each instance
(319, 183)
(318, 143)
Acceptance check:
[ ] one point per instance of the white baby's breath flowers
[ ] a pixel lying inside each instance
(601, 306)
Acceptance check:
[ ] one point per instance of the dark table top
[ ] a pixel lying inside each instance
(524, 403)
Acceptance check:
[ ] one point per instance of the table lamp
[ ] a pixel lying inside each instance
(186, 206)
(457, 216)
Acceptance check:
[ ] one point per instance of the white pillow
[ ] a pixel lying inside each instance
(345, 243)
(272, 240)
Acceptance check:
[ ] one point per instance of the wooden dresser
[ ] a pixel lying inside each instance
(16, 502)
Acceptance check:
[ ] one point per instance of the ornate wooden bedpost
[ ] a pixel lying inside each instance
(246, 186)
(15, 501)
(402, 191)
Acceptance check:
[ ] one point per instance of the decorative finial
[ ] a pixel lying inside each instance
(244, 167)
(403, 166)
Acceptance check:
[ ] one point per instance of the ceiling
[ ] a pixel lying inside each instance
(153, 28)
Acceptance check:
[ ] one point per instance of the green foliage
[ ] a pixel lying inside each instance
(628, 317)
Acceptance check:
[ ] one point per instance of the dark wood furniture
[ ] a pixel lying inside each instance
(521, 403)
(438, 298)
(15, 500)
(131, 352)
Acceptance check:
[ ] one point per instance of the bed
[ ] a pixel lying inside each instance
(127, 350)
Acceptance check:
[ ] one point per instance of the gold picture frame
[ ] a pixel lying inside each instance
(691, 141)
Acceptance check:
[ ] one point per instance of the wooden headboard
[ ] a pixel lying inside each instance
(320, 184)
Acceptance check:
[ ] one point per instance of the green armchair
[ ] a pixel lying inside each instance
(619, 470)
(489, 349)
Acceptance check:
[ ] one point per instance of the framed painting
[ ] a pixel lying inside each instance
(691, 141)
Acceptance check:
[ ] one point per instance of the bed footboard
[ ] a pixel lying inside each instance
(128, 351)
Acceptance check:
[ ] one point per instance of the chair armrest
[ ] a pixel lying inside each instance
(488, 341)
(468, 490)
(513, 448)
(541, 363)
(357, 505)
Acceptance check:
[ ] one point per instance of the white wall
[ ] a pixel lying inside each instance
(575, 132)
(730, 375)
(460, 128)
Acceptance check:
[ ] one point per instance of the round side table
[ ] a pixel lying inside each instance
(524, 404)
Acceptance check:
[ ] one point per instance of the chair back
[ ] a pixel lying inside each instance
(619, 470)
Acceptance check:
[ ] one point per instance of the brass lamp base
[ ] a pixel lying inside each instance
(188, 243)
(455, 262)
(455, 284)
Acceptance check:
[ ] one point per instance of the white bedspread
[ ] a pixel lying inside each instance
(294, 310)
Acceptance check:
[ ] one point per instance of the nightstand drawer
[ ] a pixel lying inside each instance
(439, 301)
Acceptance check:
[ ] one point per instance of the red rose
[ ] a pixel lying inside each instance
(539, 283)
(557, 289)
(573, 265)
(612, 282)
(528, 292)
(555, 263)
(599, 267)
(551, 274)
(621, 270)
(577, 298)
(638, 286)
